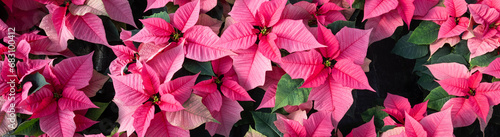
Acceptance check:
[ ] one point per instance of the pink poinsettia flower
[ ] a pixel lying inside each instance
(22, 70)
(384, 16)
(61, 26)
(405, 8)
(199, 39)
(205, 5)
(451, 21)
(482, 43)
(318, 124)
(261, 19)
(333, 71)
(434, 125)
(165, 60)
(310, 14)
(225, 81)
(146, 91)
(55, 104)
(486, 36)
(474, 97)
(398, 106)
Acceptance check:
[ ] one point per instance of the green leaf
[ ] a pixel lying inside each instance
(377, 113)
(483, 60)
(358, 4)
(494, 79)
(452, 57)
(171, 8)
(409, 50)
(264, 123)
(385, 128)
(437, 97)
(95, 113)
(425, 33)
(289, 93)
(427, 82)
(443, 51)
(29, 127)
(110, 29)
(194, 66)
(398, 33)
(462, 49)
(163, 15)
(37, 80)
(419, 67)
(337, 25)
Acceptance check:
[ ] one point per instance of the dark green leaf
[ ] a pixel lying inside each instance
(419, 65)
(289, 93)
(377, 113)
(95, 113)
(425, 33)
(194, 66)
(462, 49)
(452, 57)
(171, 8)
(337, 25)
(439, 53)
(29, 127)
(483, 60)
(358, 4)
(427, 82)
(409, 50)
(37, 80)
(112, 34)
(385, 128)
(264, 123)
(437, 97)
(163, 15)
(398, 33)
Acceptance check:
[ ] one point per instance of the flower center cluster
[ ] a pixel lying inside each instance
(312, 22)
(472, 92)
(264, 31)
(57, 95)
(175, 36)
(218, 81)
(494, 26)
(329, 62)
(156, 99)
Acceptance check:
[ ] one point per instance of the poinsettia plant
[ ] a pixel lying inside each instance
(295, 68)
